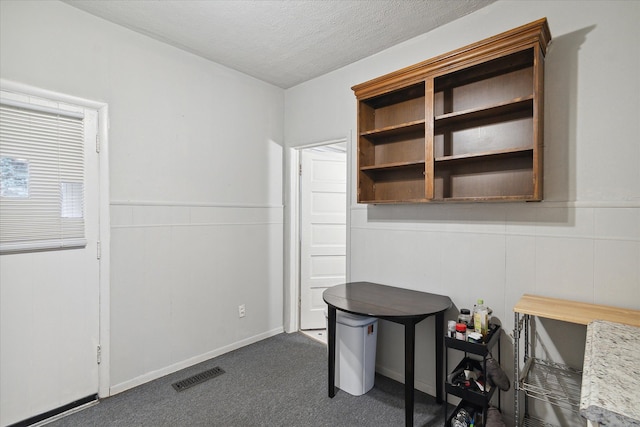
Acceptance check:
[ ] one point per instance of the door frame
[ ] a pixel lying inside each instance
(292, 229)
(104, 228)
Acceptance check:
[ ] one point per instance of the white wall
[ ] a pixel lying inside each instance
(581, 243)
(196, 184)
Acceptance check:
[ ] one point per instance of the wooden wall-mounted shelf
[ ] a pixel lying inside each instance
(463, 126)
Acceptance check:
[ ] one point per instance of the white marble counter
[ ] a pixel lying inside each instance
(610, 392)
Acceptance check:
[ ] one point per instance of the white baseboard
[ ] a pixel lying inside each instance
(150, 376)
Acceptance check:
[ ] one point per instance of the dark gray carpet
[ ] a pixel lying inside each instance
(280, 381)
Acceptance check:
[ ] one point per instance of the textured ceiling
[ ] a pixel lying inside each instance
(281, 42)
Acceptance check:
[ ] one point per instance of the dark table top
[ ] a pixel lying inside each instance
(372, 299)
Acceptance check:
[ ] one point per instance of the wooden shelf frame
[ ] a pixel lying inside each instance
(399, 129)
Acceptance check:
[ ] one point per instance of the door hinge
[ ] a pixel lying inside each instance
(300, 169)
(97, 143)
(99, 355)
(99, 250)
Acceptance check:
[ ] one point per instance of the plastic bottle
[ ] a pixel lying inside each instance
(465, 317)
(481, 319)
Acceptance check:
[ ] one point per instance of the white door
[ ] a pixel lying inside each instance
(322, 230)
(49, 315)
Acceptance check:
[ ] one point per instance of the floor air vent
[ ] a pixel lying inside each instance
(197, 379)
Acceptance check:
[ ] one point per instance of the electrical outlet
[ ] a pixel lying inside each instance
(241, 310)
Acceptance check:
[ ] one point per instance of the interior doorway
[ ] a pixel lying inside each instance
(322, 216)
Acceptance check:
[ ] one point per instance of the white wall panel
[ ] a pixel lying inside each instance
(616, 272)
(183, 282)
(520, 272)
(617, 223)
(564, 268)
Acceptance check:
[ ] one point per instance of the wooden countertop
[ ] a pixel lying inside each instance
(575, 312)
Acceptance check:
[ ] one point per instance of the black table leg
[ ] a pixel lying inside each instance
(439, 355)
(332, 350)
(409, 359)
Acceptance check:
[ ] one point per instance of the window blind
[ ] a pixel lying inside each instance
(41, 177)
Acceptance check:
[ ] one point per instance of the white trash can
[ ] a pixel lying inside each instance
(356, 338)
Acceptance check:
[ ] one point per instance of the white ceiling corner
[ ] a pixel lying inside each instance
(282, 42)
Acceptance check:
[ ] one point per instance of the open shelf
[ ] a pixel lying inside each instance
(470, 394)
(493, 178)
(394, 109)
(486, 70)
(481, 349)
(552, 382)
(392, 181)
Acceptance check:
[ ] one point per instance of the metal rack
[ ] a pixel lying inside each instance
(540, 379)
(552, 382)
(544, 380)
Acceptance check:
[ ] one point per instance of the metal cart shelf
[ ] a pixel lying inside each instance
(475, 398)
